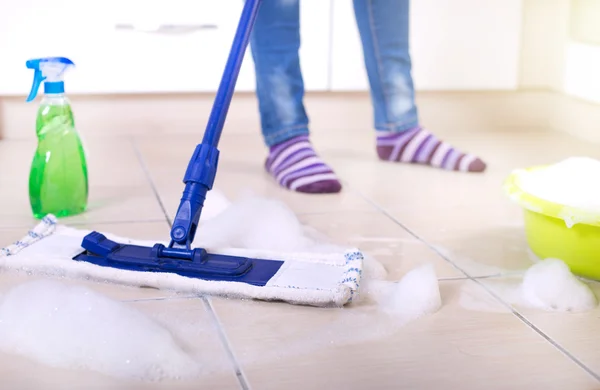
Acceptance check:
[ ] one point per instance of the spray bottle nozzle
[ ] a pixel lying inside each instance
(49, 70)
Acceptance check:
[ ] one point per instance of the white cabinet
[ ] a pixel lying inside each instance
(455, 45)
(121, 60)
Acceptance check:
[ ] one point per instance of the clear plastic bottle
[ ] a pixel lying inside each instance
(58, 179)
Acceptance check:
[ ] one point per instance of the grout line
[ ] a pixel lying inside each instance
(78, 223)
(476, 280)
(224, 340)
(150, 181)
(541, 333)
(228, 347)
(222, 336)
(173, 298)
(452, 278)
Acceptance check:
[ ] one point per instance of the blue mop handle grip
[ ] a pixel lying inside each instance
(202, 168)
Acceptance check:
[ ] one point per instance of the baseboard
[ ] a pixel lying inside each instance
(132, 115)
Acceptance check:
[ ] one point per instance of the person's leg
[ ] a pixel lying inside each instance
(275, 45)
(384, 32)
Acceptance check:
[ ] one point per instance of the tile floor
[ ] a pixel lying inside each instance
(402, 215)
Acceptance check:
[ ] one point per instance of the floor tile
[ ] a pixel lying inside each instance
(490, 250)
(187, 320)
(379, 237)
(106, 204)
(466, 216)
(119, 204)
(240, 171)
(573, 331)
(420, 195)
(285, 346)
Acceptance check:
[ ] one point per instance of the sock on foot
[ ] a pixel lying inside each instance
(296, 166)
(420, 146)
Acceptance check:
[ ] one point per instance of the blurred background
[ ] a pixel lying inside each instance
(527, 63)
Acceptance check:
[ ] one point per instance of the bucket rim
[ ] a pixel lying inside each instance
(571, 215)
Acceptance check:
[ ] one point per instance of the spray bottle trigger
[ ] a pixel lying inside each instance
(38, 78)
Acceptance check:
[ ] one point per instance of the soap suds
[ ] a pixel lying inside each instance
(417, 294)
(259, 223)
(548, 285)
(214, 204)
(262, 224)
(572, 182)
(74, 327)
(383, 309)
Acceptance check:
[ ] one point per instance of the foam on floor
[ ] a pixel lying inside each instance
(254, 222)
(74, 327)
(548, 285)
(417, 294)
(382, 311)
(259, 223)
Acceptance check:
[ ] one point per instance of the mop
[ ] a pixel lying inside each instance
(331, 279)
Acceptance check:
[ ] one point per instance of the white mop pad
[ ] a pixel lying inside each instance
(305, 278)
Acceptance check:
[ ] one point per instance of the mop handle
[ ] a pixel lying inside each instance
(216, 121)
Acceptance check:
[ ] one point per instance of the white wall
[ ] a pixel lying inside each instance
(582, 75)
(456, 44)
(544, 41)
(582, 54)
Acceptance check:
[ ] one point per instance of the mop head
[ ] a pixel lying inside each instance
(308, 278)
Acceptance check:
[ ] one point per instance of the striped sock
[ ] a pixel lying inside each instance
(296, 166)
(419, 146)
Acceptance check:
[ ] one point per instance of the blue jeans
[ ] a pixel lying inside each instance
(275, 44)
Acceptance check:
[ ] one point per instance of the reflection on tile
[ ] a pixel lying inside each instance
(379, 237)
(15, 209)
(284, 346)
(484, 252)
(573, 331)
(15, 163)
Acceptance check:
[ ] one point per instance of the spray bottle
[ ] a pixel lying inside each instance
(58, 180)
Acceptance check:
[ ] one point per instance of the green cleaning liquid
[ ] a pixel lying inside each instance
(58, 180)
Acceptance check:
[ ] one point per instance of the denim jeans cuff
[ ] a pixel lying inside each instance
(398, 127)
(282, 135)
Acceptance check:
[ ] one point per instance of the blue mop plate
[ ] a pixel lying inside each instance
(196, 263)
